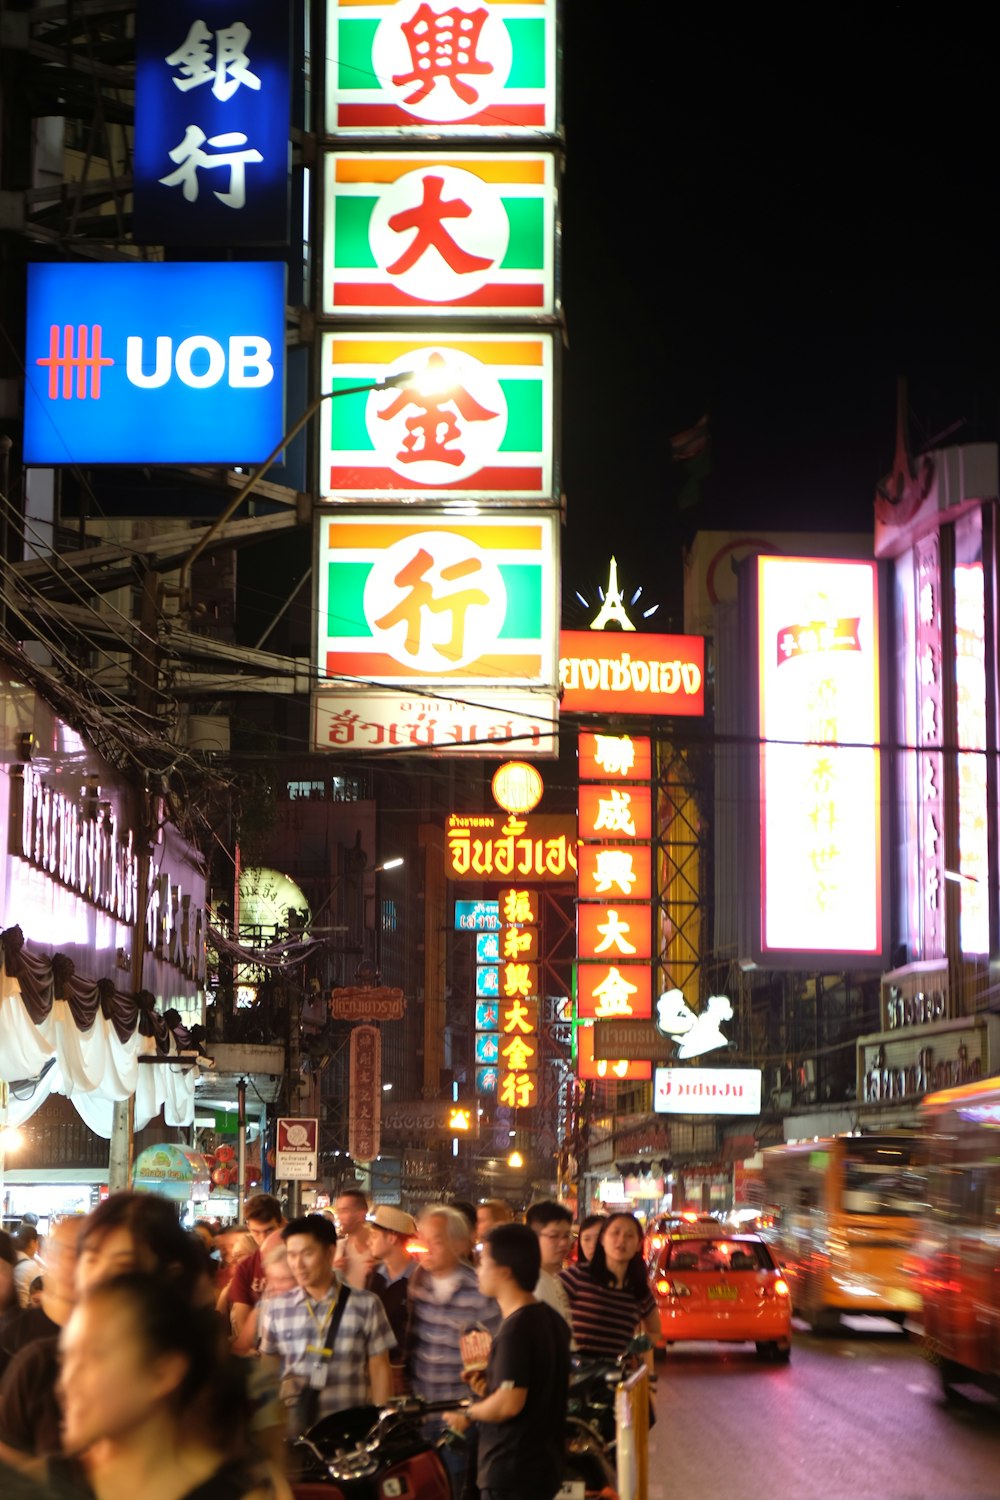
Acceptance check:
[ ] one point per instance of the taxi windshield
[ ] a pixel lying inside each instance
(717, 1255)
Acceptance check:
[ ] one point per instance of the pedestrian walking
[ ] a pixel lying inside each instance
(153, 1404)
(520, 1410)
(263, 1215)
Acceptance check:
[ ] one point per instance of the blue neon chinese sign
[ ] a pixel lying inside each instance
(154, 363)
(212, 102)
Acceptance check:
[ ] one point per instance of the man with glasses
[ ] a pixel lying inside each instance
(553, 1224)
(263, 1216)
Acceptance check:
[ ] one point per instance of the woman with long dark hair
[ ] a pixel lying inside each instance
(610, 1297)
(587, 1237)
(153, 1404)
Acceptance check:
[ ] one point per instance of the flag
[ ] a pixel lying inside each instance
(474, 422)
(691, 443)
(380, 83)
(445, 232)
(691, 449)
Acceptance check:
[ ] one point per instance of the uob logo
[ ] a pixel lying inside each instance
(76, 359)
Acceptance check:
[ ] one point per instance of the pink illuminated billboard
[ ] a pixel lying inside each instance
(821, 802)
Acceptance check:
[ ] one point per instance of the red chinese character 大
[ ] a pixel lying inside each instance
(427, 219)
(443, 47)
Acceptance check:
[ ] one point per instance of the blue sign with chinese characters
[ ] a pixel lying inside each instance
(154, 363)
(212, 104)
(487, 982)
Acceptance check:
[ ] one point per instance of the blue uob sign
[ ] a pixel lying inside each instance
(212, 101)
(154, 363)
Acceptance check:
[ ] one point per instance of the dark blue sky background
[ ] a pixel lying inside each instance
(769, 222)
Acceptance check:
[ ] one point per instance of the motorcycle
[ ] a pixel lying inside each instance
(592, 1385)
(366, 1453)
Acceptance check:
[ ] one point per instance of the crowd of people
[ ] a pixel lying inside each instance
(140, 1358)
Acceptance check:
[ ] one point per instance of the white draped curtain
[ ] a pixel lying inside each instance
(94, 1065)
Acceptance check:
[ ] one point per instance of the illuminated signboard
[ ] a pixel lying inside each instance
(540, 847)
(610, 991)
(589, 1066)
(477, 916)
(604, 671)
(517, 1086)
(422, 597)
(474, 422)
(706, 1091)
(352, 720)
(615, 757)
(616, 814)
(404, 67)
(154, 363)
(211, 154)
(611, 933)
(973, 814)
(487, 947)
(416, 232)
(615, 872)
(821, 794)
(487, 982)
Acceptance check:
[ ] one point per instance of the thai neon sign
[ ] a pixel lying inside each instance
(820, 782)
(609, 672)
(502, 847)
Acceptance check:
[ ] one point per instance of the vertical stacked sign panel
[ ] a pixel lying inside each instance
(614, 911)
(439, 276)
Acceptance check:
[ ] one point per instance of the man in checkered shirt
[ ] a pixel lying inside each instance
(352, 1368)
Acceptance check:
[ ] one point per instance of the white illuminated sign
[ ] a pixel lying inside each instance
(706, 1091)
(973, 819)
(820, 785)
(694, 1032)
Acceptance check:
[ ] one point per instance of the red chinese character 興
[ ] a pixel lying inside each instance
(443, 47)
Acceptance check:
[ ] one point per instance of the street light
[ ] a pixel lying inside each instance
(402, 377)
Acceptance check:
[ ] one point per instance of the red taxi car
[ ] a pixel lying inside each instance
(719, 1287)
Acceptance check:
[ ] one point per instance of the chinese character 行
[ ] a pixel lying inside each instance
(189, 156)
(421, 596)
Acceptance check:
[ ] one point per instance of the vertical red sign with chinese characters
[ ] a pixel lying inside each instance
(614, 914)
(517, 1086)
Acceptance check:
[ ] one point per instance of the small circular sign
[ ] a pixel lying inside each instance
(517, 786)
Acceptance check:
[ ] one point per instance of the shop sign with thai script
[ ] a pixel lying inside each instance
(355, 1003)
(459, 234)
(426, 68)
(353, 721)
(426, 1120)
(591, 1065)
(634, 1040)
(477, 916)
(610, 672)
(900, 1068)
(78, 843)
(540, 847)
(707, 1091)
(915, 999)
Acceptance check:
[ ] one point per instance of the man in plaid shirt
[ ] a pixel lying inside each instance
(329, 1359)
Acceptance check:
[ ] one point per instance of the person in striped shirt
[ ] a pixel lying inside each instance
(444, 1301)
(610, 1297)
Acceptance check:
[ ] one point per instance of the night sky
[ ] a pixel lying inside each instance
(768, 222)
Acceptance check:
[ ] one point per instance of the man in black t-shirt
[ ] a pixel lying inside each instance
(521, 1413)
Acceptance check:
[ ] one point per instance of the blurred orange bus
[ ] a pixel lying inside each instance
(846, 1210)
(957, 1266)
